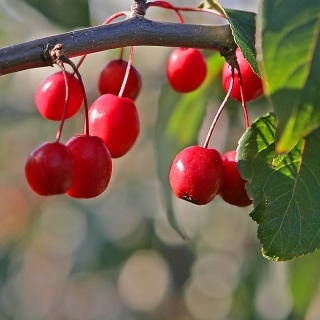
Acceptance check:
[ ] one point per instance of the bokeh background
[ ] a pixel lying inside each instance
(116, 257)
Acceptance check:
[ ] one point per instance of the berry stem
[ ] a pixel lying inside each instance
(243, 102)
(65, 59)
(125, 79)
(85, 100)
(165, 5)
(111, 18)
(63, 118)
(217, 13)
(115, 16)
(218, 114)
(121, 53)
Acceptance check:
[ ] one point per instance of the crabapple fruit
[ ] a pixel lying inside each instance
(49, 169)
(92, 166)
(51, 93)
(115, 120)
(252, 83)
(186, 69)
(233, 189)
(111, 79)
(196, 174)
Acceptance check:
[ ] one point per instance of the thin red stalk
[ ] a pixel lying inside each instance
(121, 53)
(165, 5)
(115, 16)
(86, 108)
(218, 114)
(111, 18)
(125, 79)
(76, 71)
(243, 102)
(81, 60)
(201, 10)
(63, 70)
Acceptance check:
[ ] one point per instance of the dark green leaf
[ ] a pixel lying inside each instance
(285, 190)
(291, 65)
(178, 122)
(243, 27)
(214, 5)
(67, 13)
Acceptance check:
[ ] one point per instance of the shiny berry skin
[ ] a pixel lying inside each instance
(111, 78)
(196, 174)
(92, 166)
(232, 189)
(49, 169)
(115, 120)
(186, 69)
(252, 84)
(51, 94)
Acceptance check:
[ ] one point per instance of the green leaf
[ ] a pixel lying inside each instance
(70, 14)
(243, 28)
(214, 5)
(290, 65)
(178, 122)
(285, 190)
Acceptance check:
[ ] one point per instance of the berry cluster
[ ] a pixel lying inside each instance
(82, 167)
(198, 174)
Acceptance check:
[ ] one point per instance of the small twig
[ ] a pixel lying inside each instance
(136, 31)
(139, 8)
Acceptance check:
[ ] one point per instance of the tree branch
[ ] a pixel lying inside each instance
(136, 31)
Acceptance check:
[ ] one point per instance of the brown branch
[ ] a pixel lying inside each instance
(136, 31)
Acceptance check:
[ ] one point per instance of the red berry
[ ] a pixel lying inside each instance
(112, 76)
(49, 169)
(186, 69)
(196, 174)
(115, 120)
(232, 189)
(51, 94)
(252, 83)
(92, 166)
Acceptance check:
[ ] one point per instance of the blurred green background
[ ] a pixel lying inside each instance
(116, 257)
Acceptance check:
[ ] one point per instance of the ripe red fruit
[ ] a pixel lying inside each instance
(51, 94)
(252, 83)
(232, 189)
(196, 174)
(92, 166)
(49, 169)
(115, 120)
(186, 69)
(112, 76)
